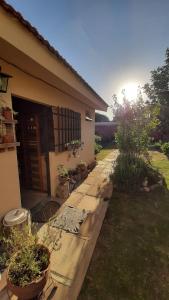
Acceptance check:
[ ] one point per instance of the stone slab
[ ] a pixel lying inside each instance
(83, 188)
(64, 261)
(89, 203)
(74, 198)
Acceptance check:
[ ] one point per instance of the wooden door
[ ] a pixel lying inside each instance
(29, 154)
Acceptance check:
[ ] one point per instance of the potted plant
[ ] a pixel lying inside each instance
(8, 138)
(63, 174)
(26, 259)
(74, 147)
(73, 175)
(7, 113)
(82, 167)
(28, 271)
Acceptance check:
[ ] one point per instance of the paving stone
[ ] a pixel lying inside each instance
(98, 190)
(89, 203)
(74, 198)
(83, 188)
(92, 180)
(65, 261)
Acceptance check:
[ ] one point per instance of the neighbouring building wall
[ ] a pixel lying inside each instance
(25, 86)
(106, 130)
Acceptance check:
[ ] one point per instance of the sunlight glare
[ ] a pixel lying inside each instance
(131, 90)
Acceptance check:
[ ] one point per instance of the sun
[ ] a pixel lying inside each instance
(131, 90)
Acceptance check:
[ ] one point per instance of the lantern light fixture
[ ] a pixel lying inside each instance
(4, 81)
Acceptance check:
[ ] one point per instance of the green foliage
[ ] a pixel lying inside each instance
(157, 93)
(28, 265)
(155, 146)
(136, 121)
(82, 165)
(12, 242)
(21, 251)
(165, 148)
(131, 171)
(62, 171)
(98, 146)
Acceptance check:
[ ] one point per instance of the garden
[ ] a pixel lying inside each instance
(131, 259)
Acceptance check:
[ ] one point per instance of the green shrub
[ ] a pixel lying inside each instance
(130, 172)
(98, 147)
(136, 120)
(155, 146)
(165, 148)
(28, 265)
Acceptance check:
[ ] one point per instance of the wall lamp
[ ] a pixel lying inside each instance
(4, 81)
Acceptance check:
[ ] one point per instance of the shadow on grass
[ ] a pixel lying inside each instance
(131, 259)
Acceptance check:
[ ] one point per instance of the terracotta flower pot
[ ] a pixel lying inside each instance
(78, 176)
(63, 179)
(84, 173)
(32, 289)
(7, 113)
(8, 138)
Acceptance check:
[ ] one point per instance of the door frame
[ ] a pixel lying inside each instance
(46, 153)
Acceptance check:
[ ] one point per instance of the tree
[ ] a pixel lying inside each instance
(101, 118)
(136, 120)
(158, 92)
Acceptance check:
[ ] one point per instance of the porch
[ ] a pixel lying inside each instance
(70, 262)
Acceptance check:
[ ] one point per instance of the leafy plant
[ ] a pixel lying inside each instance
(130, 172)
(74, 146)
(24, 255)
(82, 165)
(155, 146)
(62, 171)
(98, 146)
(157, 92)
(136, 120)
(28, 265)
(165, 148)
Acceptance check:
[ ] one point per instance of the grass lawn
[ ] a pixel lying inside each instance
(131, 259)
(159, 161)
(103, 153)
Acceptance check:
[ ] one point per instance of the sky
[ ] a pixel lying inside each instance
(111, 43)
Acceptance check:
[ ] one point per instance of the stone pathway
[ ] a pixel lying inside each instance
(71, 260)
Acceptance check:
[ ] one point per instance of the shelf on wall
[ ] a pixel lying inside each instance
(9, 146)
(9, 121)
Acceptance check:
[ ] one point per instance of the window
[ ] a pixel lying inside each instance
(66, 127)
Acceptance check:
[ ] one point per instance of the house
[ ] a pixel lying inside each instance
(54, 106)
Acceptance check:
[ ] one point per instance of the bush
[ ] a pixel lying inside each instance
(131, 171)
(135, 124)
(28, 265)
(98, 147)
(155, 146)
(136, 121)
(165, 148)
